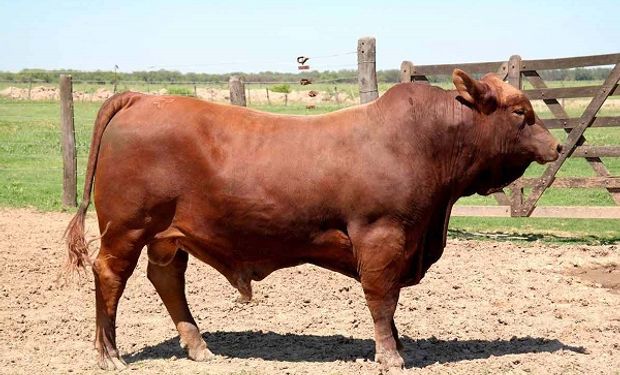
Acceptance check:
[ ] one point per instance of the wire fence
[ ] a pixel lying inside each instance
(337, 91)
(157, 80)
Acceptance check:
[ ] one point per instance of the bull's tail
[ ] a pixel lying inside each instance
(77, 246)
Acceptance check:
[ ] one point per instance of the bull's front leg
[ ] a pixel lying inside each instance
(379, 249)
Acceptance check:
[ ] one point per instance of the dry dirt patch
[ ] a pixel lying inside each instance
(606, 276)
(485, 307)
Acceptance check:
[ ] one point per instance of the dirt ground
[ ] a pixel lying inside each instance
(254, 96)
(485, 307)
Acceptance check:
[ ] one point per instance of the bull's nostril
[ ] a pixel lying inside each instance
(559, 148)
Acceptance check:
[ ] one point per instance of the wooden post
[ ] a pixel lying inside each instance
(514, 78)
(367, 69)
(69, 157)
(268, 100)
(237, 91)
(30, 88)
(516, 200)
(514, 71)
(406, 71)
(195, 90)
(336, 94)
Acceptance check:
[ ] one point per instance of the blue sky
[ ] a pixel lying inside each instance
(251, 36)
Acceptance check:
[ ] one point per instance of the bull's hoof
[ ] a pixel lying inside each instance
(111, 362)
(198, 353)
(390, 360)
(243, 299)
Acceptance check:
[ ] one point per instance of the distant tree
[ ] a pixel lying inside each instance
(340, 76)
(388, 76)
(582, 74)
(284, 88)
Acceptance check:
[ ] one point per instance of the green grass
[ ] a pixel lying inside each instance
(587, 231)
(181, 91)
(30, 154)
(298, 109)
(31, 172)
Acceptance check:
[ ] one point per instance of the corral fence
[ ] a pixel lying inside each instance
(514, 201)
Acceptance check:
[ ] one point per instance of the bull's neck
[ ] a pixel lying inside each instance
(443, 137)
(472, 150)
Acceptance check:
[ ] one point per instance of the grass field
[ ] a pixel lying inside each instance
(31, 171)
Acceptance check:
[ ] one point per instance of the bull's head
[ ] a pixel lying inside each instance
(512, 134)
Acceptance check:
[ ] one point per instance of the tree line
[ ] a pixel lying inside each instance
(341, 76)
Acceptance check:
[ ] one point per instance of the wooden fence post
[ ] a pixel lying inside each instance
(367, 69)
(513, 77)
(69, 157)
(237, 90)
(406, 71)
(514, 71)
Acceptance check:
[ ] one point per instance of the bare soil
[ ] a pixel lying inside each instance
(255, 96)
(485, 307)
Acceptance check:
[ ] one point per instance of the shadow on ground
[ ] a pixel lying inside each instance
(272, 346)
(530, 237)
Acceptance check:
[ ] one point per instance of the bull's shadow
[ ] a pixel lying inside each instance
(312, 348)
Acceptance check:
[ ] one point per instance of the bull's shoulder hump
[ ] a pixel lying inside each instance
(417, 89)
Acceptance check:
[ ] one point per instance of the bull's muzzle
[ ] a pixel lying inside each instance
(552, 155)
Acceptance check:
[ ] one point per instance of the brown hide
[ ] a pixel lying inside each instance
(365, 191)
(251, 192)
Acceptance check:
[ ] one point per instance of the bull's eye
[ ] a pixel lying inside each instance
(519, 112)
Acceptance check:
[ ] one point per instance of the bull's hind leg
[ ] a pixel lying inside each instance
(114, 264)
(166, 271)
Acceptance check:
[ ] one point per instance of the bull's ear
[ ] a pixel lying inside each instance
(468, 88)
(476, 93)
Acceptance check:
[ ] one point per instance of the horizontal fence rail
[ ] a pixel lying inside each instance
(525, 65)
(566, 92)
(571, 62)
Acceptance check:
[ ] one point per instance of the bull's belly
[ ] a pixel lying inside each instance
(243, 257)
